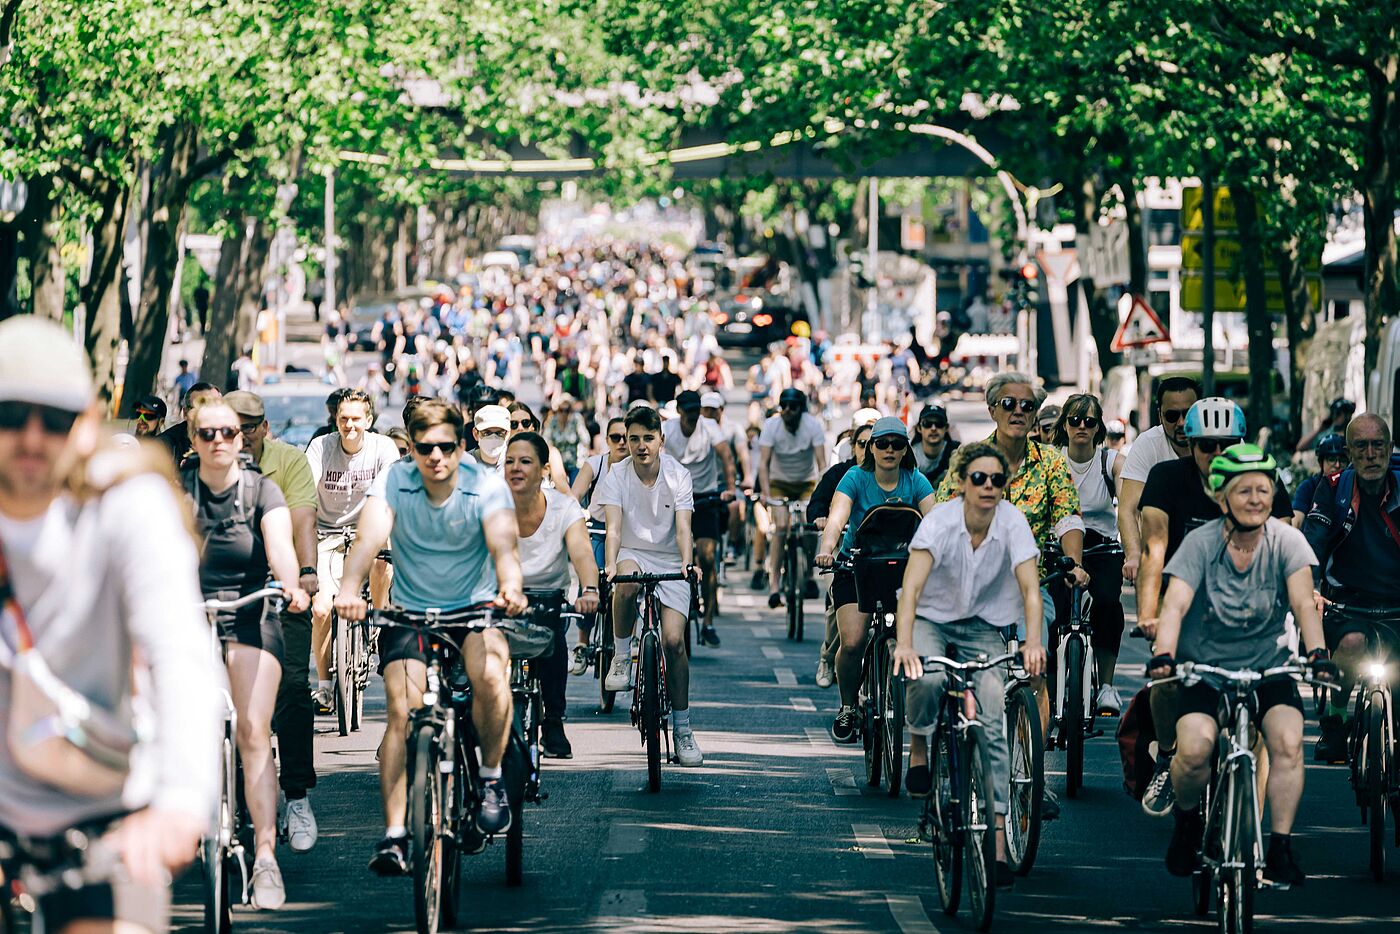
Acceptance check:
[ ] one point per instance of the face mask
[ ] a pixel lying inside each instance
(491, 448)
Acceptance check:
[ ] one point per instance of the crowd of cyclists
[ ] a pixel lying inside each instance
(637, 466)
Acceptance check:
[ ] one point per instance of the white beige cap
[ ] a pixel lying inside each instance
(492, 416)
(712, 400)
(863, 417)
(41, 363)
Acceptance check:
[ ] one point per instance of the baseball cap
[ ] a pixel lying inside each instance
(934, 411)
(689, 401)
(712, 400)
(888, 425)
(863, 417)
(245, 403)
(153, 405)
(1115, 428)
(41, 364)
(792, 395)
(490, 417)
(1048, 414)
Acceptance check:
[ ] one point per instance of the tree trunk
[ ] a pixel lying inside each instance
(9, 270)
(1103, 317)
(1137, 238)
(1300, 316)
(165, 212)
(46, 273)
(221, 337)
(1258, 321)
(1379, 180)
(101, 294)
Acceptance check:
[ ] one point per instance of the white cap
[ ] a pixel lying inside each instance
(40, 363)
(712, 400)
(863, 417)
(492, 416)
(669, 410)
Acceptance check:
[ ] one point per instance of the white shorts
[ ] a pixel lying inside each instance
(674, 595)
(330, 563)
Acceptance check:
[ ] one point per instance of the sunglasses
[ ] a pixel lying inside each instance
(791, 407)
(617, 439)
(1008, 404)
(933, 423)
(861, 443)
(15, 415)
(227, 432)
(1082, 421)
(426, 448)
(890, 444)
(980, 478)
(143, 416)
(1172, 416)
(524, 425)
(249, 427)
(1208, 445)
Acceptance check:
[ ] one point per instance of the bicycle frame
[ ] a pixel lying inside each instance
(650, 617)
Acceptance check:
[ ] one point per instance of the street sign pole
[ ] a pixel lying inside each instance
(872, 297)
(1208, 274)
(328, 296)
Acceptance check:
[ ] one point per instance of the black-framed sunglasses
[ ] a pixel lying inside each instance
(524, 424)
(15, 415)
(1008, 404)
(426, 448)
(981, 477)
(933, 421)
(249, 427)
(1209, 445)
(861, 443)
(1082, 421)
(227, 432)
(617, 438)
(143, 415)
(1172, 416)
(890, 444)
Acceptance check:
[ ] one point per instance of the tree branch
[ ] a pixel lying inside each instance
(220, 157)
(8, 14)
(1297, 41)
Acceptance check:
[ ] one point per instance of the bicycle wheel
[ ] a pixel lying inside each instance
(1027, 747)
(604, 658)
(343, 661)
(454, 799)
(871, 705)
(947, 836)
(359, 678)
(891, 719)
(1374, 754)
(690, 619)
(980, 827)
(1073, 724)
(650, 677)
(1235, 886)
(218, 896)
(792, 591)
(424, 822)
(515, 766)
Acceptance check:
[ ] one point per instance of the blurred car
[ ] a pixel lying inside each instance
(746, 320)
(295, 406)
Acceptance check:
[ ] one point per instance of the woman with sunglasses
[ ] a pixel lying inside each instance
(1079, 432)
(971, 576)
(522, 418)
(589, 473)
(886, 475)
(566, 433)
(553, 535)
(247, 533)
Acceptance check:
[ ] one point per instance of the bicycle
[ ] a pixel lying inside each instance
(958, 817)
(651, 701)
(1026, 745)
(1371, 746)
(33, 868)
(546, 608)
(443, 772)
(1231, 855)
(793, 579)
(599, 648)
(351, 648)
(224, 849)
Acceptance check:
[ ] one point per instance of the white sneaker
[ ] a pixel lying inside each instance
(1108, 703)
(826, 677)
(687, 751)
(1157, 801)
(269, 893)
(323, 699)
(580, 664)
(299, 825)
(619, 674)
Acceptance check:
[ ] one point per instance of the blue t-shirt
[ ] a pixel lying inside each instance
(440, 555)
(865, 494)
(1303, 498)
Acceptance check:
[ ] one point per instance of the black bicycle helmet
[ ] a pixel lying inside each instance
(1333, 447)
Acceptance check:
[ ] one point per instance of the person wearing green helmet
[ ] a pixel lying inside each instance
(1233, 582)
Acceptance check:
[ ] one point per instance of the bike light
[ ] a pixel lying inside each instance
(1376, 671)
(763, 320)
(429, 698)
(720, 317)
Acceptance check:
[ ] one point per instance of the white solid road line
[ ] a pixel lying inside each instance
(772, 652)
(804, 704)
(909, 914)
(842, 781)
(871, 841)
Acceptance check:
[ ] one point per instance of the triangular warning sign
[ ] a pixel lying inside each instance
(1140, 328)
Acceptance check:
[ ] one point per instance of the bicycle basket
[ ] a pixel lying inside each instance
(883, 541)
(528, 640)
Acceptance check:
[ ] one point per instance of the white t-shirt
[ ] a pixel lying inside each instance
(601, 468)
(1150, 449)
(964, 582)
(648, 512)
(1095, 495)
(544, 560)
(342, 480)
(794, 453)
(697, 452)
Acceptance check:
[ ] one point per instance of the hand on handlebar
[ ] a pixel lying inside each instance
(819, 523)
(587, 603)
(1320, 602)
(297, 599)
(512, 601)
(1078, 575)
(825, 559)
(1148, 627)
(1130, 568)
(1323, 668)
(692, 573)
(907, 661)
(156, 843)
(350, 605)
(1162, 665)
(1034, 659)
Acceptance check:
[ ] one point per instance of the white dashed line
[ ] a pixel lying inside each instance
(786, 677)
(761, 632)
(804, 704)
(870, 839)
(842, 781)
(909, 914)
(745, 600)
(820, 738)
(773, 652)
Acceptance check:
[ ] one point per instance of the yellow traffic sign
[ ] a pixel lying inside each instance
(1229, 293)
(1191, 218)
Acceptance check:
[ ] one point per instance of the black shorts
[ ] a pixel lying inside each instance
(843, 589)
(1271, 693)
(1336, 626)
(253, 627)
(710, 519)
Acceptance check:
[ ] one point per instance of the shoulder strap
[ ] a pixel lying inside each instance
(1103, 468)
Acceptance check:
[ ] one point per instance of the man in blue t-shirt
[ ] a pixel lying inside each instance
(452, 527)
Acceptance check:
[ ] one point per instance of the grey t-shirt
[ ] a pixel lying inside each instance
(1237, 618)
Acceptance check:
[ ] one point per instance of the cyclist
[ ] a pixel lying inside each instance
(698, 443)
(971, 577)
(933, 449)
(522, 418)
(649, 499)
(451, 523)
(1339, 413)
(295, 717)
(1233, 581)
(344, 463)
(1045, 424)
(791, 456)
(887, 474)
(1079, 432)
(818, 508)
(1352, 528)
(149, 416)
(566, 433)
(246, 529)
(712, 407)
(73, 511)
(1166, 441)
(1332, 459)
(490, 429)
(177, 436)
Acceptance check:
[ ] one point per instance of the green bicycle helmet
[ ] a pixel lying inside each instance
(1239, 459)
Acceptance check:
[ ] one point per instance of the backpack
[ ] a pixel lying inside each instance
(1136, 733)
(1347, 498)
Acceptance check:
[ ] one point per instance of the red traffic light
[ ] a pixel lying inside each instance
(1029, 271)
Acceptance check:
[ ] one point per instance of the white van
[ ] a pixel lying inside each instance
(1383, 387)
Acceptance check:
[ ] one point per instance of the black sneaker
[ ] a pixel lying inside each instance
(918, 781)
(709, 637)
(810, 592)
(1332, 743)
(494, 814)
(1005, 877)
(553, 741)
(775, 600)
(390, 857)
(1280, 869)
(1049, 806)
(760, 580)
(843, 728)
(1182, 854)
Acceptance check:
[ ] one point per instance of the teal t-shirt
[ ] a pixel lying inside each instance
(865, 494)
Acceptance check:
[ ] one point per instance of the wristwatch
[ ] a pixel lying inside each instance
(307, 570)
(590, 590)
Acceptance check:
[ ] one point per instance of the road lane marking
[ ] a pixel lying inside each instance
(842, 781)
(870, 840)
(820, 738)
(773, 652)
(786, 677)
(762, 632)
(625, 840)
(909, 914)
(804, 704)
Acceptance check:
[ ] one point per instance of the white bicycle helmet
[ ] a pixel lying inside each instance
(1215, 417)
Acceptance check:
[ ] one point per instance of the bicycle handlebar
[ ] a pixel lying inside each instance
(274, 590)
(978, 664)
(1373, 613)
(649, 578)
(1192, 673)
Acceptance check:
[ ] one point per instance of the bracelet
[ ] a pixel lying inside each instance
(307, 570)
(590, 590)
